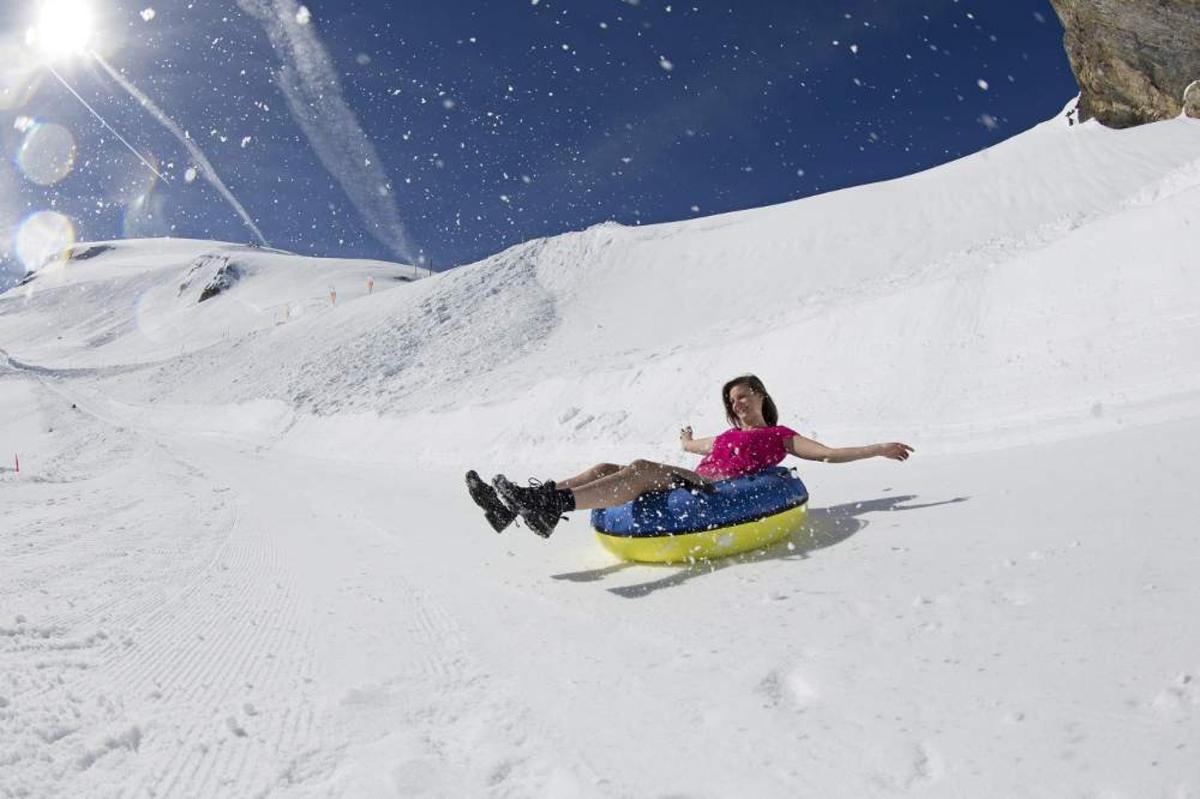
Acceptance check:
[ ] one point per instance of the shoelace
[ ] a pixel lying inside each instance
(533, 483)
(536, 483)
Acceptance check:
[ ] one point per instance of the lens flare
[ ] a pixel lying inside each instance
(18, 76)
(64, 28)
(146, 217)
(128, 181)
(47, 155)
(44, 239)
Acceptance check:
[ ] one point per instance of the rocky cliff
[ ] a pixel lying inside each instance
(1135, 60)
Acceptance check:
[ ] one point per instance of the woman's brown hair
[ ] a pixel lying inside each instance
(770, 413)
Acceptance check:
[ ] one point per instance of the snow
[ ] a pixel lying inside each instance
(239, 559)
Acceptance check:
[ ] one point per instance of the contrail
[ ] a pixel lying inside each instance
(107, 126)
(207, 170)
(314, 94)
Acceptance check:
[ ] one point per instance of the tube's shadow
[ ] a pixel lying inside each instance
(825, 527)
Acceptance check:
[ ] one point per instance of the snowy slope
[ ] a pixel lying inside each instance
(958, 302)
(244, 563)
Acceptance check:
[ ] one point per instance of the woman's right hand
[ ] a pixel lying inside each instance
(685, 436)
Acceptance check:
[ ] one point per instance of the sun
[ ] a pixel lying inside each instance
(62, 28)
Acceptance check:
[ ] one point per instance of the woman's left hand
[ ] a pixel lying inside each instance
(894, 450)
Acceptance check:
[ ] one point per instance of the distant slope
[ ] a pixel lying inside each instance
(128, 302)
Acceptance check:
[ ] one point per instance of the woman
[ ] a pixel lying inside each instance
(756, 441)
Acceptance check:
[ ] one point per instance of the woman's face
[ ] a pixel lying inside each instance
(747, 405)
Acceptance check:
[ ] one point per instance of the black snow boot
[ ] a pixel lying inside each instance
(498, 514)
(541, 505)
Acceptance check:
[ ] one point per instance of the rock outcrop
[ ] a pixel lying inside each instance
(1134, 59)
(221, 274)
(223, 281)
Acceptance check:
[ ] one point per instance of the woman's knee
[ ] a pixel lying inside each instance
(605, 469)
(641, 466)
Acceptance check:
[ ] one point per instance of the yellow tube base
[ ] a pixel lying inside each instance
(707, 544)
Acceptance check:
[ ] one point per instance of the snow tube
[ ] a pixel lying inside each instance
(686, 524)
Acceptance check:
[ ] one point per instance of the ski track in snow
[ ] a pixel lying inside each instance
(205, 651)
(195, 620)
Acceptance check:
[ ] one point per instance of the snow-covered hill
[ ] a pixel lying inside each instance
(244, 562)
(1036, 289)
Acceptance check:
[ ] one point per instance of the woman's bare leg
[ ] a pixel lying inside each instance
(583, 478)
(629, 482)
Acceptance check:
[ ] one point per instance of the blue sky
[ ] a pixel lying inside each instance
(450, 131)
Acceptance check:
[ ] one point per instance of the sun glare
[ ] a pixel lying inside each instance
(63, 28)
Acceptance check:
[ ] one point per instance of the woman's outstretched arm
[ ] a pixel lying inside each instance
(811, 450)
(700, 446)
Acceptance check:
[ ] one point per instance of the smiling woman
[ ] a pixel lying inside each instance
(755, 443)
(62, 28)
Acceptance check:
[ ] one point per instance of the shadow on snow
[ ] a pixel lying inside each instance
(825, 527)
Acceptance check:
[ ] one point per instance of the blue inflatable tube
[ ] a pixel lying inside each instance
(728, 517)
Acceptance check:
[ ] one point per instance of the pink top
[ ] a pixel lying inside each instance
(737, 452)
